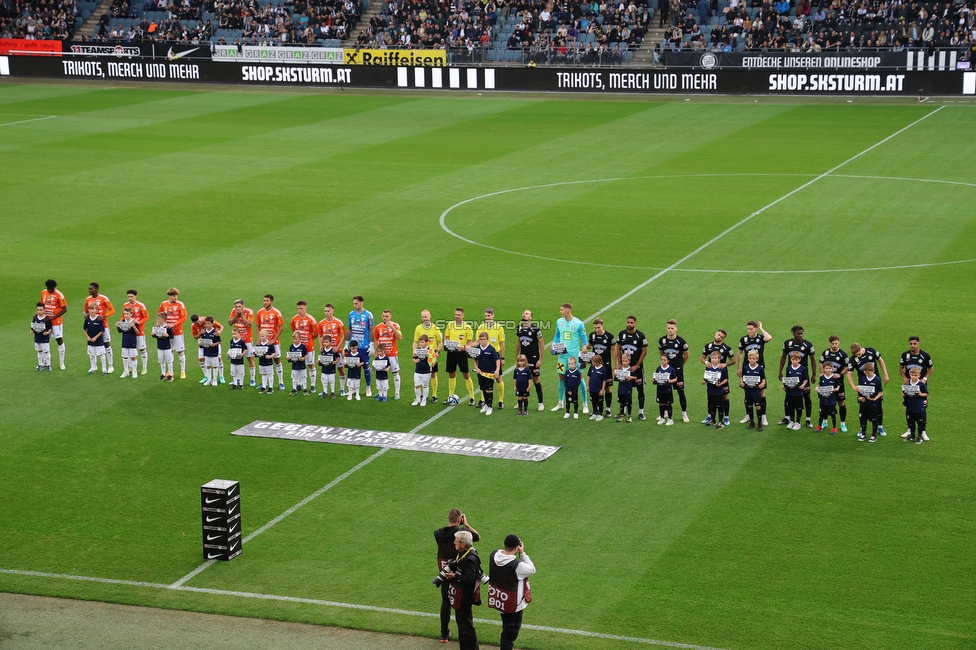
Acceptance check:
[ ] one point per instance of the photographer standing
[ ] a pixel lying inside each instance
(446, 552)
(509, 592)
(464, 591)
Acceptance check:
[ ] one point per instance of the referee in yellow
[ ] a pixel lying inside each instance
(436, 339)
(457, 337)
(496, 338)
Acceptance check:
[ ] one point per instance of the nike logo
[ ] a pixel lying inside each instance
(231, 490)
(213, 537)
(172, 57)
(232, 509)
(210, 557)
(232, 547)
(231, 530)
(209, 519)
(211, 500)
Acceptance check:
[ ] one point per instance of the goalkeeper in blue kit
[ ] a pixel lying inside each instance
(569, 340)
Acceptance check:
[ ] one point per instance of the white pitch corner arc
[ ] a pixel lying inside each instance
(467, 240)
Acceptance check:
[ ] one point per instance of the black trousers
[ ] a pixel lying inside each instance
(511, 624)
(445, 610)
(467, 637)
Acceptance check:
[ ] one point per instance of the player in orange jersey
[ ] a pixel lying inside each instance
(104, 309)
(54, 308)
(241, 320)
(198, 327)
(175, 313)
(270, 319)
(141, 315)
(308, 330)
(388, 333)
(333, 327)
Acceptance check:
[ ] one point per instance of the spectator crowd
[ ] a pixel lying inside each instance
(824, 25)
(37, 19)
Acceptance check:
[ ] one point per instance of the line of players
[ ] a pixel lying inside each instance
(344, 352)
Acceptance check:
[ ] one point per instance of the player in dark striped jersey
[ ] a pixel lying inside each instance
(755, 339)
(914, 357)
(528, 341)
(807, 354)
(632, 342)
(858, 361)
(727, 359)
(675, 349)
(837, 358)
(601, 342)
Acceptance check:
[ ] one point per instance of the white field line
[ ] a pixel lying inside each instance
(36, 119)
(756, 214)
(443, 217)
(203, 567)
(330, 603)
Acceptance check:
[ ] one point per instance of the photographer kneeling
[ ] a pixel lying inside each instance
(465, 588)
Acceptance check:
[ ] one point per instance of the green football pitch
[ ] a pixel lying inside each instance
(849, 219)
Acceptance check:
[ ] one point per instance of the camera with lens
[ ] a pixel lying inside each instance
(449, 567)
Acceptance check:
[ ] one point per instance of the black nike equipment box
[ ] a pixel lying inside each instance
(220, 502)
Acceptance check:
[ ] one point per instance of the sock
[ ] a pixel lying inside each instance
(451, 385)
(424, 392)
(726, 408)
(182, 363)
(135, 366)
(417, 391)
(280, 367)
(60, 353)
(311, 376)
(489, 397)
(145, 359)
(608, 399)
(749, 411)
(94, 362)
(470, 386)
(662, 410)
(583, 395)
(682, 399)
(109, 357)
(220, 367)
(104, 364)
(500, 389)
(433, 385)
(843, 413)
(342, 383)
(562, 390)
(538, 394)
(203, 367)
(396, 384)
(369, 378)
(254, 372)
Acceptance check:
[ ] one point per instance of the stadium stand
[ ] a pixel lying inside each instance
(42, 19)
(825, 26)
(523, 31)
(249, 22)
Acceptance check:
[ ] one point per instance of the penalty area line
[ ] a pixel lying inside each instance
(203, 567)
(36, 119)
(356, 606)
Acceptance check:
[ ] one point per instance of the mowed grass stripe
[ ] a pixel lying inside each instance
(114, 187)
